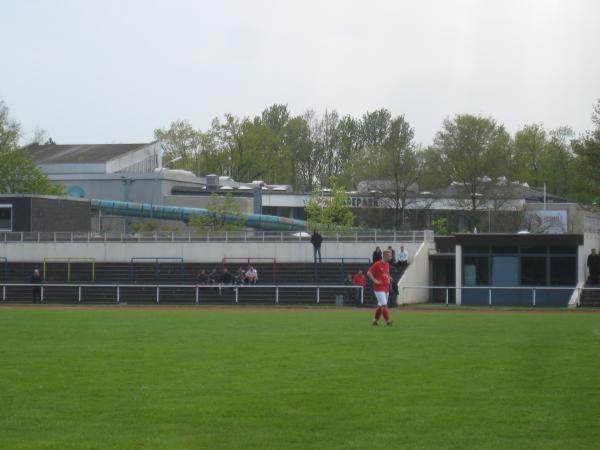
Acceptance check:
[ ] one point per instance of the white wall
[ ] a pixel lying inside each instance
(193, 251)
(417, 274)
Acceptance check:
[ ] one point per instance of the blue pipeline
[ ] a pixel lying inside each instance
(256, 221)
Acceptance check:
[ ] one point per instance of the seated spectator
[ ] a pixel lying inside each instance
(359, 280)
(402, 262)
(251, 276)
(213, 276)
(240, 276)
(202, 278)
(226, 277)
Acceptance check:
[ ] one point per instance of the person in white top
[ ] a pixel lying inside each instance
(402, 259)
(251, 275)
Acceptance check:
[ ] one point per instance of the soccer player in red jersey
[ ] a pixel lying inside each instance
(379, 273)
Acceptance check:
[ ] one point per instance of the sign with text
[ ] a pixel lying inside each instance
(549, 222)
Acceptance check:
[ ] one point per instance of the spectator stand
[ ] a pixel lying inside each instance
(68, 260)
(343, 270)
(4, 262)
(250, 261)
(157, 261)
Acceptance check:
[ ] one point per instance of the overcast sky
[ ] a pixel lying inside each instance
(113, 71)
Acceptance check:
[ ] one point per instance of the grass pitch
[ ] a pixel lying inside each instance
(237, 378)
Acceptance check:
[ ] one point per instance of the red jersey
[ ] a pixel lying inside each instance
(381, 272)
(360, 280)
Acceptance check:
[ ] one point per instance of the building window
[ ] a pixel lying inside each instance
(533, 271)
(5, 217)
(563, 271)
(476, 271)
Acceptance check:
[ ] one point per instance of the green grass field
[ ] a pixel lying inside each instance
(239, 378)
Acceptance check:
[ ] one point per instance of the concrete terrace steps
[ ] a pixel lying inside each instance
(146, 273)
(590, 298)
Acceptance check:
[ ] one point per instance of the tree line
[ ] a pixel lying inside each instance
(314, 150)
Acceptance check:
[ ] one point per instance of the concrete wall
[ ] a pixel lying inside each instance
(417, 274)
(193, 251)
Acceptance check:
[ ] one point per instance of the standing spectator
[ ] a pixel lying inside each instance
(393, 252)
(393, 297)
(251, 276)
(402, 260)
(316, 240)
(201, 278)
(593, 264)
(37, 290)
(213, 276)
(360, 281)
(377, 255)
(379, 273)
(348, 282)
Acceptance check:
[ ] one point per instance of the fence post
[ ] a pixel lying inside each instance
(189, 236)
(71, 236)
(277, 294)
(490, 296)
(447, 296)
(55, 236)
(318, 295)
(197, 299)
(362, 295)
(118, 294)
(237, 294)
(533, 296)
(226, 237)
(157, 294)
(79, 293)
(3, 293)
(42, 294)
(172, 236)
(375, 234)
(281, 234)
(414, 236)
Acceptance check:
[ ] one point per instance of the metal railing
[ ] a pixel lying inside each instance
(489, 298)
(224, 236)
(182, 293)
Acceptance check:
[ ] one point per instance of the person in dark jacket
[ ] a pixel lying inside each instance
(316, 240)
(593, 263)
(377, 255)
(202, 278)
(226, 277)
(36, 278)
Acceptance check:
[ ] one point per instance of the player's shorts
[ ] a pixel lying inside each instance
(382, 298)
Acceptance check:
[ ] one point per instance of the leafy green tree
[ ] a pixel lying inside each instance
(474, 151)
(297, 140)
(434, 174)
(397, 167)
(182, 144)
(226, 215)
(543, 158)
(350, 154)
(529, 148)
(18, 173)
(329, 212)
(586, 166)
